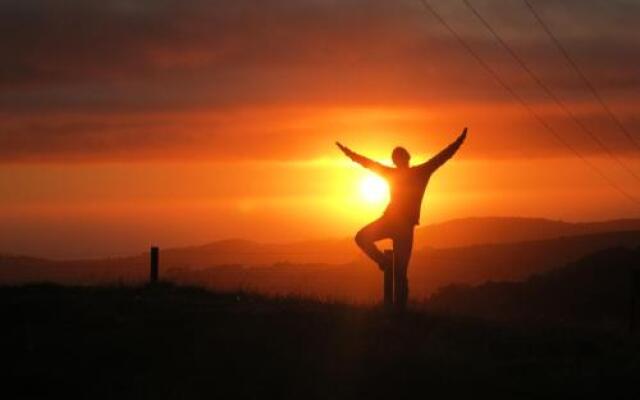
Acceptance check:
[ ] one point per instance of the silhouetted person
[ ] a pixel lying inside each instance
(407, 186)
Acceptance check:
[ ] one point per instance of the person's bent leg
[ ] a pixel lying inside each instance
(366, 238)
(403, 246)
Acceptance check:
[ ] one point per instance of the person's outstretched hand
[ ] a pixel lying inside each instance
(463, 136)
(347, 151)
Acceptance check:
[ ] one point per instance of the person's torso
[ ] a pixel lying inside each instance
(407, 187)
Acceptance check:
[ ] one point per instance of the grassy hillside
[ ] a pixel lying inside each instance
(596, 290)
(174, 343)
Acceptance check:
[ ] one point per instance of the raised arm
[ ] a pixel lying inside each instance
(442, 157)
(368, 163)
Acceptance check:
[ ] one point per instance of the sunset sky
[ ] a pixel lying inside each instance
(175, 122)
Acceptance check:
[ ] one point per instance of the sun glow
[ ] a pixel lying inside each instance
(374, 189)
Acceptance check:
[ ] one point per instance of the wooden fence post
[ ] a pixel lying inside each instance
(388, 280)
(635, 287)
(399, 288)
(155, 264)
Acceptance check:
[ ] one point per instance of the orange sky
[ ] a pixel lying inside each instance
(180, 122)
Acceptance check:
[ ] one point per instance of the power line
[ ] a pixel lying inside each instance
(550, 93)
(524, 104)
(582, 76)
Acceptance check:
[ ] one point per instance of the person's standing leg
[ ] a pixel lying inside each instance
(402, 247)
(366, 238)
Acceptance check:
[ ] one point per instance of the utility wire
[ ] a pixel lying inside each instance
(524, 104)
(582, 75)
(550, 93)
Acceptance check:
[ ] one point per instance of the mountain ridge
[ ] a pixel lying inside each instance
(462, 232)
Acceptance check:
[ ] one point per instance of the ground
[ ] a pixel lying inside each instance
(169, 342)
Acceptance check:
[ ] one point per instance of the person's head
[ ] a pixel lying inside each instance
(400, 157)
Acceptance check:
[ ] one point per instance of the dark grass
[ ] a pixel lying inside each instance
(170, 342)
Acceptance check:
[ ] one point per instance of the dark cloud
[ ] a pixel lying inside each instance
(122, 56)
(53, 42)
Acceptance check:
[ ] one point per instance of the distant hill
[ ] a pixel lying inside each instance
(493, 230)
(245, 252)
(356, 281)
(336, 269)
(433, 268)
(595, 289)
(430, 268)
(451, 234)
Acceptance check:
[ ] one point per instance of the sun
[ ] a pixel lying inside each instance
(374, 189)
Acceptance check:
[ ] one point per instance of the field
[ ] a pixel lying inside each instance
(171, 342)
